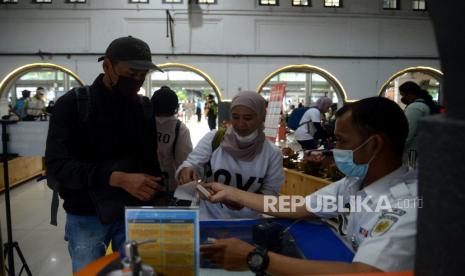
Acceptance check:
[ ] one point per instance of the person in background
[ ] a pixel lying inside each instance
(211, 111)
(21, 104)
(109, 160)
(369, 152)
(174, 140)
(289, 111)
(198, 109)
(418, 105)
(49, 107)
(310, 128)
(244, 158)
(35, 107)
(189, 108)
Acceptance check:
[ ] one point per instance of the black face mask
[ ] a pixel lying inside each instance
(126, 86)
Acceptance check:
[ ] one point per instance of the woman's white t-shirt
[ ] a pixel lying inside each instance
(264, 174)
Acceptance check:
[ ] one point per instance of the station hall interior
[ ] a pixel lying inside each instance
(346, 50)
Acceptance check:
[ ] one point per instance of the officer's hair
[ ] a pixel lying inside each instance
(379, 115)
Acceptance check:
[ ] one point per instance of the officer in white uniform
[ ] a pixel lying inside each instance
(383, 239)
(377, 200)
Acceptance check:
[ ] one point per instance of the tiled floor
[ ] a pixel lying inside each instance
(41, 243)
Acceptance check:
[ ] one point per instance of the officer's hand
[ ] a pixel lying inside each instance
(187, 174)
(231, 254)
(224, 193)
(139, 185)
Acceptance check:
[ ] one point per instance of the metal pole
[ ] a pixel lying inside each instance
(11, 263)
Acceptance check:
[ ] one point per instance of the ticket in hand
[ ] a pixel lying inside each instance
(202, 190)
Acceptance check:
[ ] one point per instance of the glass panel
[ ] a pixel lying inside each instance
(333, 3)
(206, 1)
(419, 5)
(269, 2)
(300, 3)
(390, 4)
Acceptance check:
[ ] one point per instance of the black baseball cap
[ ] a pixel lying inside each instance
(131, 52)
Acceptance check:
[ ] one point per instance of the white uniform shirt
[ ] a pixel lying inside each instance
(166, 135)
(384, 239)
(306, 131)
(264, 174)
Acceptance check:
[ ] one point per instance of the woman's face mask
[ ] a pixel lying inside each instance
(246, 139)
(345, 162)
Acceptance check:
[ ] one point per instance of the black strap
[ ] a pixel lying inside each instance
(53, 184)
(54, 208)
(176, 132)
(83, 102)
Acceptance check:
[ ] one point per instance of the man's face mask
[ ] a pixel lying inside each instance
(345, 162)
(126, 86)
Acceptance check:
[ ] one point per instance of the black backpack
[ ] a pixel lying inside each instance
(84, 108)
(434, 107)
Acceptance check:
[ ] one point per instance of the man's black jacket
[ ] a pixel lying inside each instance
(82, 155)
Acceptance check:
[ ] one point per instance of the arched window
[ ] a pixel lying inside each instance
(304, 84)
(427, 78)
(55, 79)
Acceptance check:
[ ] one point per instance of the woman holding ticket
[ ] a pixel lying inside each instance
(243, 158)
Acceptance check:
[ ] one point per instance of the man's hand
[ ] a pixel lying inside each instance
(187, 174)
(139, 185)
(231, 254)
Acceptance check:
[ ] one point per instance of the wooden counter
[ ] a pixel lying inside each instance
(21, 169)
(298, 183)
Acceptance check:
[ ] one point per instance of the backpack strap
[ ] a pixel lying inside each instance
(83, 102)
(217, 139)
(53, 184)
(176, 132)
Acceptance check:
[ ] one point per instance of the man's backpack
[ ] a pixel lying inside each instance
(434, 107)
(293, 122)
(84, 108)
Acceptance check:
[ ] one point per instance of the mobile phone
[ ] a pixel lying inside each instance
(204, 191)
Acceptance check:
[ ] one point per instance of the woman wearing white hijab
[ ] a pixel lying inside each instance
(244, 159)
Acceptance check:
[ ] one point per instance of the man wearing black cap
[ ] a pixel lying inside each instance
(108, 160)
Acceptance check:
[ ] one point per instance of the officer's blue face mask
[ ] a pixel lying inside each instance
(345, 162)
